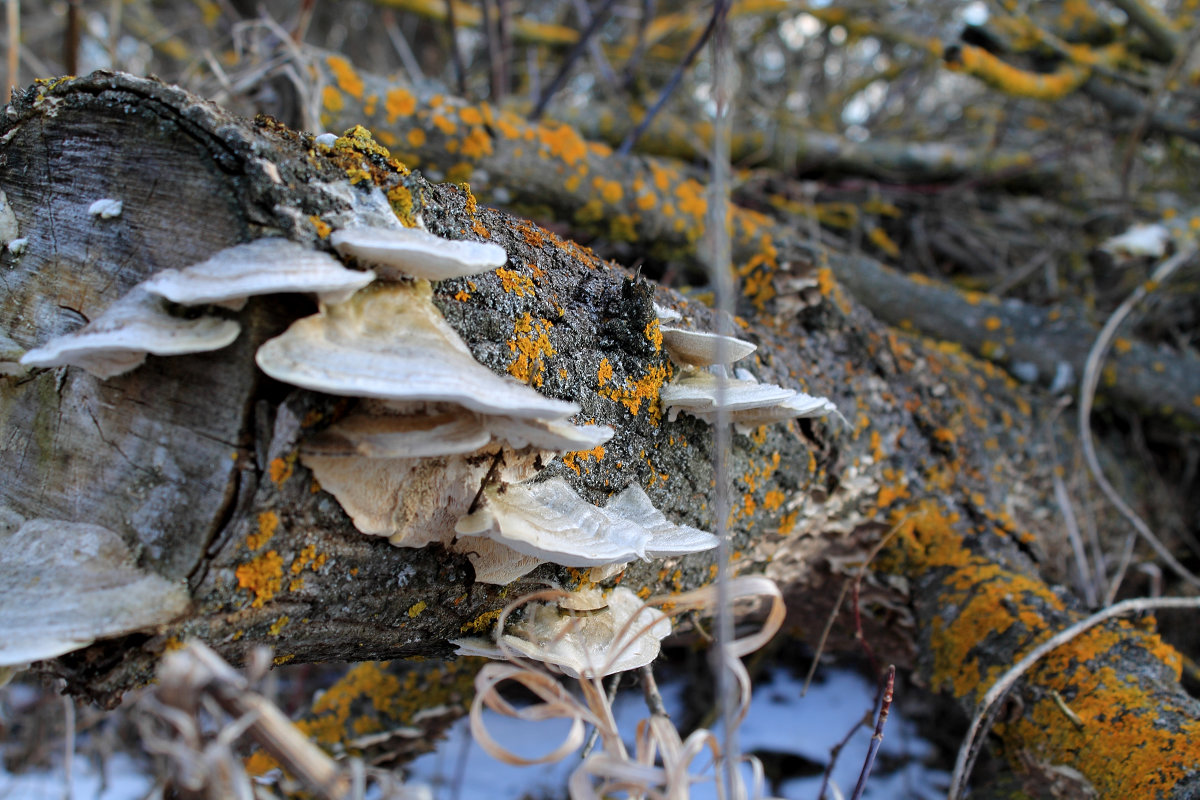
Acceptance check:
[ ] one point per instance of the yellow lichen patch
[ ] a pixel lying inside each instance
(531, 346)
(416, 608)
(512, 281)
(347, 79)
(609, 191)
(992, 323)
(262, 576)
(278, 625)
(1001, 75)
(562, 142)
(773, 500)
(653, 334)
(632, 393)
(476, 144)
(401, 201)
(605, 373)
(576, 461)
(443, 124)
(303, 559)
(320, 226)
(332, 99)
(880, 239)
(481, 624)
(399, 103)
(462, 296)
(282, 468)
(268, 521)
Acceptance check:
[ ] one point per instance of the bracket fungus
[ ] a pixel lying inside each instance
(390, 342)
(118, 340)
(412, 252)
(106, 208)
(749, 403)
(263, 266)
(63, 585)
(699, 349)
(625, 634)
(550, 521)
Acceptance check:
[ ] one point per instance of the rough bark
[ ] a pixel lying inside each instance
(205, 485)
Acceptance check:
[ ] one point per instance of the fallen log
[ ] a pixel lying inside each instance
(200, 466)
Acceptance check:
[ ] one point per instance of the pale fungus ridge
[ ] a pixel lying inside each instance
(118, 340)
(63, 585)
(550, 521)
(625, 634)
(412, 252)
(699, 349)
(263, 266)
(106, 208)
(448, 431)
(390, 342)
(749, 403)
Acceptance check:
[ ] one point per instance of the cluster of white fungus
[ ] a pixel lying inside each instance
(702, 387)
(439, 448)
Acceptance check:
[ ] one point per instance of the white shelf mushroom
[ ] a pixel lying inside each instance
(625, 635)
(63, 585)
(391, 342)
(748, 402)
(417, 253)
(106, 208)
(118, 340)
(665, 314)
(264, 266)
(699, 349)
(550, 521)
(448, 432)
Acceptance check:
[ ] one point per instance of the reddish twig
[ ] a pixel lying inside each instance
(885, 705)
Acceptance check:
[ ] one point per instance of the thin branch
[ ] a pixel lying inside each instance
(986, 712)
(460, 71)
(1087, 394)
(720, 7)
(13, 22)
(572, 56)
(885, 705)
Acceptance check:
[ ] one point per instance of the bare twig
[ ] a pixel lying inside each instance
(71, 38)
(837, 606)
(719, 9)
(1087, 394)
(568, 62)
(460, 70)
(990, 705)
(401, 46)
(885, 705)
(12, 19)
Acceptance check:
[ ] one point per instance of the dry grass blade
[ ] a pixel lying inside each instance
(1087, 394)
(988, 707)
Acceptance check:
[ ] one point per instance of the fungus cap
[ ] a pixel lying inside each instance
(263, 266)
(550, 521)
(63, 585)
(665, 314)
(699, 349)
(118, 340)
(749, 402)
(106, 208)
(401, 436)
(418, 253)
(625, 635)
(390, 342)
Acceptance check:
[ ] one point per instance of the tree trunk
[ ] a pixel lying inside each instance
(193, 460)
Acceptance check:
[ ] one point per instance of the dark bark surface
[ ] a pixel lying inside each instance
(194, 460)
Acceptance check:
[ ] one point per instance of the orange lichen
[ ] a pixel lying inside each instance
(562, 142)
(347, 79)
(513, 281)
(268, 521)
(262, 576)
(281, 468)
(605, 373)
(574, 461)
(321, 226)
(278, 625)
(531, 345)
(631, 393)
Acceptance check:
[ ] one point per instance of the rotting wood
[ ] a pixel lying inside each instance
(193, 460)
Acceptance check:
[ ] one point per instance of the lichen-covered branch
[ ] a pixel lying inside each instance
(548, 170)
(210, 488)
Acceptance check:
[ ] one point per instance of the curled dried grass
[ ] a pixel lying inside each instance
(660, 764)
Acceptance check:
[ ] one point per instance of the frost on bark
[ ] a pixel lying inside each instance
(192, 460)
